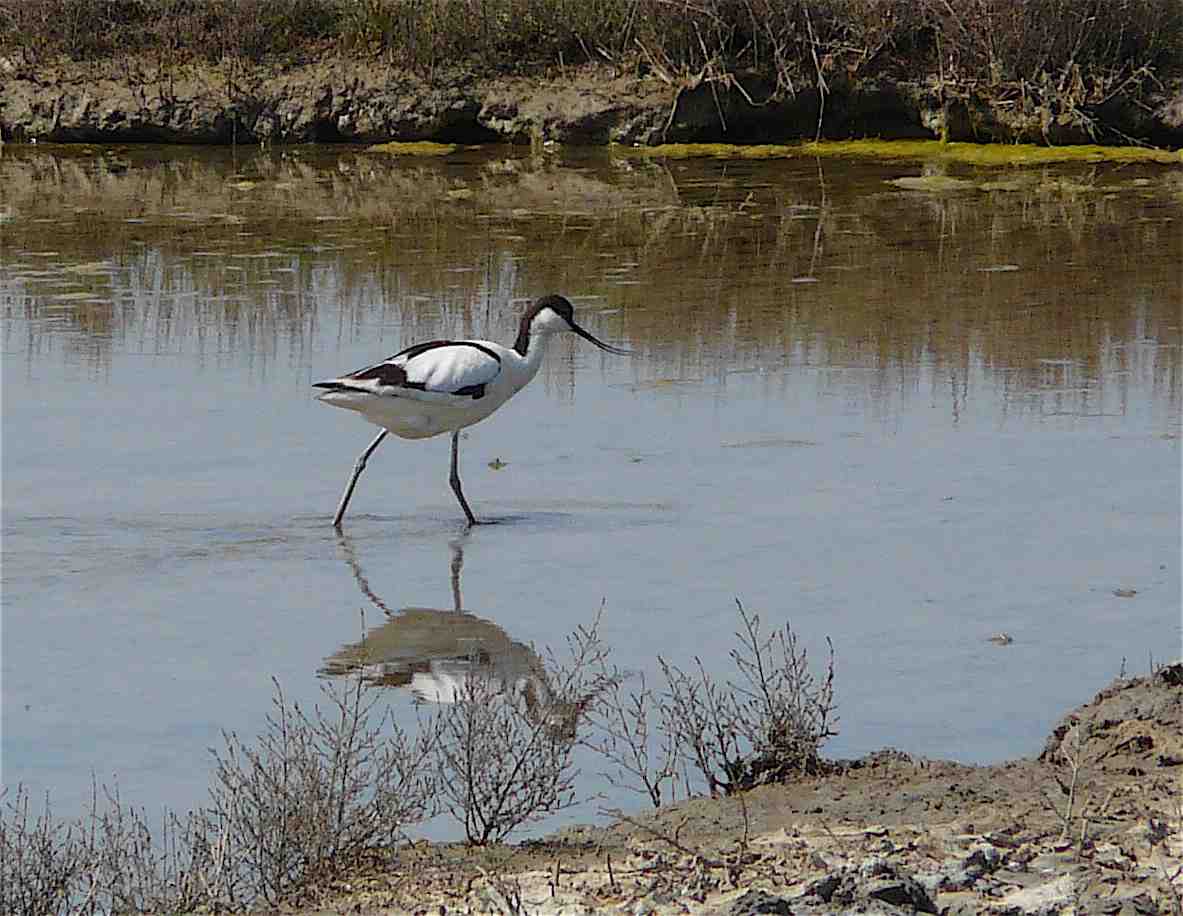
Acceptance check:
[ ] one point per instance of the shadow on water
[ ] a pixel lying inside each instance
(417, 524)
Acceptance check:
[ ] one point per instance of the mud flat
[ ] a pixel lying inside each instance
(1093, 824)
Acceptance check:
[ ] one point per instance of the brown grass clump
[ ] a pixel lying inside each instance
(1075, 69)
(1083, 49)
(176, 30)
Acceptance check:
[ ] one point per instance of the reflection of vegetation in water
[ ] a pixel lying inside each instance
(701, 264)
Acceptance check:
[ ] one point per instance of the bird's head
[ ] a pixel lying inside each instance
(552, 314)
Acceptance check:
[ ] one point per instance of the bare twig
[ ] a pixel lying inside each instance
(505, 757)
(766, 726)
(671, 839)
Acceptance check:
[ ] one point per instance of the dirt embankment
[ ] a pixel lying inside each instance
(340, 99)
(1093, 825)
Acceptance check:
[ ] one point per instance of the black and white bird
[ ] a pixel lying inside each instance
(444, 386)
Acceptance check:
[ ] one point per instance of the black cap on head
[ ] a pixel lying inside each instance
(562, 307)
(558, 304)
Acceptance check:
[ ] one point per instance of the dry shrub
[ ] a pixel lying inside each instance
(498, 35)
(1067, 54)
(41, 859)
(311, 793)
(767, 725)
(315, 790)
(181, 867)
(305, 799)
(1007, 41)
(180, 29)
(628, 734)
(504, 758)
(108, 861)
(1090, 65)
(792, 43)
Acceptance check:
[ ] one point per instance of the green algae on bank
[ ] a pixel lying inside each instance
(986, 154)
(414, 148)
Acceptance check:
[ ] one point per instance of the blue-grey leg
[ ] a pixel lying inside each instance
(357, 469)
(455, 479)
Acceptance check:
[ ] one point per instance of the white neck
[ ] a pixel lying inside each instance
(529, 364)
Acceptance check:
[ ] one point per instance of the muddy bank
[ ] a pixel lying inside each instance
(342, 100)
(1094, 824)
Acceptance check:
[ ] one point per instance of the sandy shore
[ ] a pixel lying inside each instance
(1094, 824)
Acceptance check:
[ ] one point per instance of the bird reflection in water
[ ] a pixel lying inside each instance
(441, 655)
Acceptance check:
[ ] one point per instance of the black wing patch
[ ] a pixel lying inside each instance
(387, 374)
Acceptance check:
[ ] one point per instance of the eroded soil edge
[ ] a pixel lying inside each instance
(346, 100)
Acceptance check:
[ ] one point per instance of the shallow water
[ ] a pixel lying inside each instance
(904, 415)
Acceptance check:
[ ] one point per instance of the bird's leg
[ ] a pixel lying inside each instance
(357, 469)
(455, 479)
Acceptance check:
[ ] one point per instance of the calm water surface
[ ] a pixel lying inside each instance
(903, 420)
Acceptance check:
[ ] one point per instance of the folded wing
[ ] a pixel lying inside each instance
(438, 371)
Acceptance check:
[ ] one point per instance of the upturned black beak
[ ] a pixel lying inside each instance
(599, 343)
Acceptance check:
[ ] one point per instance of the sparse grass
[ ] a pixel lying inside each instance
(1077, 758)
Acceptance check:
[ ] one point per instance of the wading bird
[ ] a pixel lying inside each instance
(446, 385)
